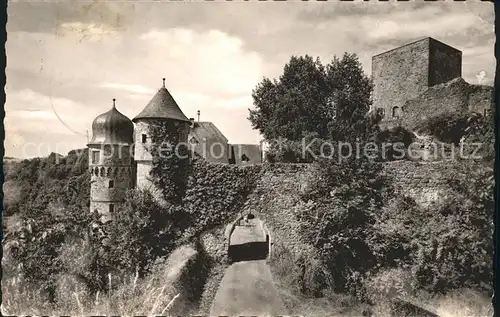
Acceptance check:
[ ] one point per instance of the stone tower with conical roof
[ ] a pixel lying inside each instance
(161, 110)
(111, 162)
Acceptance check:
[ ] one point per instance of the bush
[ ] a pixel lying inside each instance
(346, 196)
(39, 241)
(448, 128)
(446, 246)
(481, 130)
(397, 135)
(390, 284)
(141, 232)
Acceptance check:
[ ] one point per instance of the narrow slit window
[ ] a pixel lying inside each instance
(95, 157)
(144, 138)
(111, 208)
(111, 184)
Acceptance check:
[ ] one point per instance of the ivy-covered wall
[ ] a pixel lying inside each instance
(219, 193)
(429, 182)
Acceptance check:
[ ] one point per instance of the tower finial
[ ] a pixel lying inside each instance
(114, 102)
(163, 82)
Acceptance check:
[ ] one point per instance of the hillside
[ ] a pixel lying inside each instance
(51, 196)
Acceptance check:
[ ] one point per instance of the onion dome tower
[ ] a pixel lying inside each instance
(111, 162)
(161, 110)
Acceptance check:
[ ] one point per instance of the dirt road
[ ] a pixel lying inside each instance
(247, 289)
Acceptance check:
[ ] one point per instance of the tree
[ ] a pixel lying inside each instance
(309, 97)
(350, 99)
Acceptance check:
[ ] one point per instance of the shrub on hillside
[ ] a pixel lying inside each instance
(470, 128)
(40, 181)
(390, 284)
(141, 232)
(346, 196)
(446, 246)
(481, 130)
(38, 242)
(448, 127)
(399, 138)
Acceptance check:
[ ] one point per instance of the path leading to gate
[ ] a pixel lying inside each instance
(247, 287)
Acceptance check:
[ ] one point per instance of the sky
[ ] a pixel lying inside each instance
(66, 61)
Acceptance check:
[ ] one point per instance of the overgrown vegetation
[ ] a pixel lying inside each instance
(364, 241)
(446, 246)
(170, 160)
(346, 200)
(355, 234)
(474, 130)
(55, 247)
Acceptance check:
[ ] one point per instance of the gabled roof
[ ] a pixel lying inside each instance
(209, 142)
(162, 106)
(207, 130)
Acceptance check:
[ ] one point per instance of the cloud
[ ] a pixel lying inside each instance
(88, 31)
(86, 54)
(30, 111)
(401, 26)
(210, 62)
(134, 89)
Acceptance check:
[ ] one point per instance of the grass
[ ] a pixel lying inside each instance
(464, 303)
(286, 278)
(151, 295)
(145, 297)
(386, 290)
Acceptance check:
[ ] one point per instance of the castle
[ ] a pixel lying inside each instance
(422, 79)
(411, 83)
(119, 159)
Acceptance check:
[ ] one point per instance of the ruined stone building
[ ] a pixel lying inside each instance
(422, 79)
(119, 158)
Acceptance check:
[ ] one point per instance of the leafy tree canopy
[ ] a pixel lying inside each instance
(331, 100)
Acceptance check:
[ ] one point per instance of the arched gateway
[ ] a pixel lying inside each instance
(248, 238)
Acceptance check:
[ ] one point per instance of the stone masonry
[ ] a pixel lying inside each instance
(406, 72)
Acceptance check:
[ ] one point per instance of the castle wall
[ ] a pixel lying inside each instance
(141, 152)
(122, 178)
(448, 98)
(453, 97)
(399, 75)
(143, 180)
(427, 183)
(276, 199)
(445, 63)
(481, 99)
